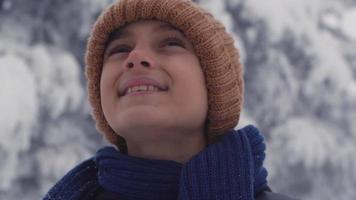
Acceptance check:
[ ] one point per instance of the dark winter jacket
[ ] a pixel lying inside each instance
(265, 195)
(228, 170)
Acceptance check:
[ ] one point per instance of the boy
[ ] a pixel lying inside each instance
(166, 88)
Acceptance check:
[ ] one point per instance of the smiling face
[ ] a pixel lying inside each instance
(152, 86)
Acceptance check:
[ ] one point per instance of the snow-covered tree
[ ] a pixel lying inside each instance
(300, 71)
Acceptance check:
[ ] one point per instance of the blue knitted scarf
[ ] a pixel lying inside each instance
(230, 169)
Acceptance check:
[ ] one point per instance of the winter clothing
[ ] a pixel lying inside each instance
(230, 169)
(212, 44)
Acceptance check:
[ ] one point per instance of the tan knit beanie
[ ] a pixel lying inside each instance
(214, 47)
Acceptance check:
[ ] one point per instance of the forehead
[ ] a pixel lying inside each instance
(142, 25)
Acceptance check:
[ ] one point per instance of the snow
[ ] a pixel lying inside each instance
(299, 59)
(310, 140)
(19, 110)
(330, 64)
(65, 150)
(297, 16)
(58, 75)
(6, 5)
(307, 139)
(331, 20)
(245, 120)
(348, 25)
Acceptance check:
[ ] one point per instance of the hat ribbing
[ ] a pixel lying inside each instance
(214, 47)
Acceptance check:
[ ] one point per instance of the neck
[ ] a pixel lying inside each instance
(163, 147)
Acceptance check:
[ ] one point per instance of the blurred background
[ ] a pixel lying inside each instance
(300, 72)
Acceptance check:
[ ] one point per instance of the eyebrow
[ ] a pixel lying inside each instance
(122, 33)
(169, 27)
(117, 34)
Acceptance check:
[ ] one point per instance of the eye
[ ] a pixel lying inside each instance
(173, 41)
(119, 49)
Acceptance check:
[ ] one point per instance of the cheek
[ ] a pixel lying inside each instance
(109, 78)
(105, 84)
(193, 76)
(195, 98)
(108, 82)
(191, 83)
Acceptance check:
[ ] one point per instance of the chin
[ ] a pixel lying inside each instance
(140, 118)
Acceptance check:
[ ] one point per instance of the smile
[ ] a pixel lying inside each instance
(141, 85)
(142, 89)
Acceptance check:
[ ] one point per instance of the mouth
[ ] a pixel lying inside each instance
(142, 85)
(142, 89)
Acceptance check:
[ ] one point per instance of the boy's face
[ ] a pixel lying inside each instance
(152, 80)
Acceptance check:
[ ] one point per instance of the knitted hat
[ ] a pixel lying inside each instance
(214, 47)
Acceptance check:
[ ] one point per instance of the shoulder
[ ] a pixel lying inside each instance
(79, 181)
(272, 196)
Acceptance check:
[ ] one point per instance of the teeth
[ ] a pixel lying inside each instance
(135, 89)
(142, 88)
(129, 90)
(151, 88)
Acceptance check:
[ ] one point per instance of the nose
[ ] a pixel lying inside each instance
(139, 58)
(143, 63)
